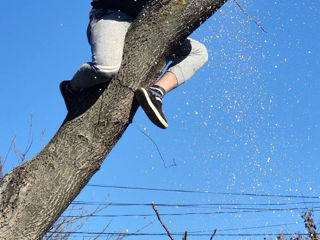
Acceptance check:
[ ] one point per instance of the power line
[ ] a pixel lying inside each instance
(236, 229)
(186, 214)
(212, 206)
(255, 227)
(195, 233)
(202, 192)
(191, 205)
(178, 234)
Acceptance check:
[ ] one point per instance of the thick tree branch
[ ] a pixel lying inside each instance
(35, 194)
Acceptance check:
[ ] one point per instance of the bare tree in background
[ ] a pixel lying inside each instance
(309, 225)
(35, 194)
(62, 229)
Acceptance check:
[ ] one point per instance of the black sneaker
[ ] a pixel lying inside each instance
(67, 94)
(152, 107)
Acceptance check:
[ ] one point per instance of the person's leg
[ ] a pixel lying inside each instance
(106, 35)
(187, 59)
(168, 81)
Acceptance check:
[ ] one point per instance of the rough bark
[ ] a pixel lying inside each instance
(35, 194)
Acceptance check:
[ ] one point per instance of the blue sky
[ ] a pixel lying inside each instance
(248, 122)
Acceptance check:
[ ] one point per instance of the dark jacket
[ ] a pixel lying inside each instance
(129, 7)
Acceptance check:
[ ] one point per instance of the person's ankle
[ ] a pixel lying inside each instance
(157, 91)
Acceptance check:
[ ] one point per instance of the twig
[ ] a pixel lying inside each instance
(9, 150)
(165, 228)
(139, 230)
(144, 227)
(22, 156)
(214, 233)
(59, 229)
(43, 133)
(103, 231)
(185, 235)
(249, 17)
(158, 150)
(3, 161)
(30, 140)
(17, 152)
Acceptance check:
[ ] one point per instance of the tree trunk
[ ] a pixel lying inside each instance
(35, 194)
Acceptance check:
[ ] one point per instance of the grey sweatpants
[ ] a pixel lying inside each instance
(106, 35)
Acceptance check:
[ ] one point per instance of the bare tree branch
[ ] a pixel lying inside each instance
(9, 150)
(249, 17)
(21, 156)
(185, 235)
(139, 230)
(61, 229)
(158, 149)
(164, 226)
(103, 230)
(214, 233)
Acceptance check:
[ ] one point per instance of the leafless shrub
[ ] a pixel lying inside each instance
(309, 225)
(65, 226)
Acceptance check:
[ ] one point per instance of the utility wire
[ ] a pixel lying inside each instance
(179, 234)
(187, 213)
(191, 205)
(249, 228)
(202, 233)
(203, 192)
(249, 208)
